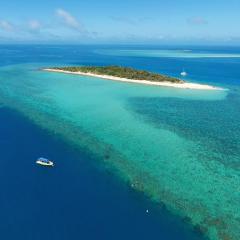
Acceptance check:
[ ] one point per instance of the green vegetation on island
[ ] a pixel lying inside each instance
(121, 72)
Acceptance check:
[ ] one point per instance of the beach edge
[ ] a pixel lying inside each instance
(184, 85)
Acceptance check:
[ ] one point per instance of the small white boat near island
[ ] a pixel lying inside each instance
(183, 73)
(44, 162)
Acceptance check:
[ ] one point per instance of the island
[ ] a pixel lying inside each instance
(130, 75)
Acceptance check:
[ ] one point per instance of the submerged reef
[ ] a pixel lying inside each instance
(156, 159)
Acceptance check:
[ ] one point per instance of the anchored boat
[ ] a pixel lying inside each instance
(183, 73)
(44, 162)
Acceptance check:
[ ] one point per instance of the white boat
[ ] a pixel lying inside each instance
(44, 162)
(183, 73)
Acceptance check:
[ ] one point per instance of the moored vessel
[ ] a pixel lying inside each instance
(183, 73)
(44, 162)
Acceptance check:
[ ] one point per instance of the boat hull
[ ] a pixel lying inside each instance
(49, 164)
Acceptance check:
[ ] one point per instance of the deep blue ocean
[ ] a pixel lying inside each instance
(79, 199)
(75, 200)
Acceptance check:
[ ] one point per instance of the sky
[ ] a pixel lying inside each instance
(122, 21)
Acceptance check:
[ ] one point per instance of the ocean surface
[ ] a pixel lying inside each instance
(132, 161)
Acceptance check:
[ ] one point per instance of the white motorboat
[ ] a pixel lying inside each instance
(44, 162)
(183, 73)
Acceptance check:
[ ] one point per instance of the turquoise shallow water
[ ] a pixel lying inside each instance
(179, 147)
(156, 53)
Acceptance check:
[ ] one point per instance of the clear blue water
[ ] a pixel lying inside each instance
(75, 200)
(179, 148)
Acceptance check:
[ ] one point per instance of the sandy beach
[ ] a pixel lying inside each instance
(184, 85)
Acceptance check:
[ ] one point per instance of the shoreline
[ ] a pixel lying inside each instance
(184, 85)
